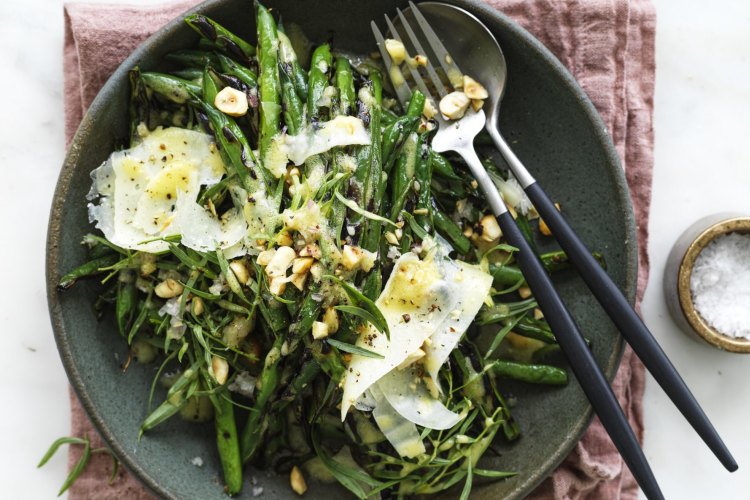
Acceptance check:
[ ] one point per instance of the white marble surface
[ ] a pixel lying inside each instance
(702, 166)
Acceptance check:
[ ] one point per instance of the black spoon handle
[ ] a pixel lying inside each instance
(580, 358)
(630, 324)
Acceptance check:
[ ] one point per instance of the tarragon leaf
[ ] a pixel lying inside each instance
(358, 299)
(353, 349)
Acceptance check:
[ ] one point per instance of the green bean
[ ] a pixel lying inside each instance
(288, 58)
(373, 284)
(393, 135)
(193, 75)
(307, 372)
(90, 268)
(126, 302)
(329, 360)
(139, 106)
(291, 104)
(448, 191)
(234, 146)
(209, 85)
(173, 88)
(534, 329)
(423, 180)
(558, 260)
(293, 297)
(450, 230)
(416, 104)
(228, 444)
(205, 44)
(389, 117)
(320, 64)
(345, 86)
(537, 329)
(523, 225)
(336, 212)
(442, 167)
(231, 67)
(403, 175)
(221, 37)
(252, 434)
(472, 382)
(374, 190)
(368, 157)
(344, 106)
(99, 246)
(274, 314)
(544, 352)
(269, 86)
(175, 400)
(533, 374)
(510, 274)
(472, 363)
(307, 314)
(163, 412)
(505, 275)
(147, 111)
(193, 58)
(139, 321)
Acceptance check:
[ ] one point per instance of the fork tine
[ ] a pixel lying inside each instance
(434, 78)
(452, 71)
(414, 73)
(403, 92)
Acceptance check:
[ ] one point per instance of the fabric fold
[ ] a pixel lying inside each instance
(608, 46)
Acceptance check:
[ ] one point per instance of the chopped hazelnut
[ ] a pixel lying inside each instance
(454, 105)
(231, 102)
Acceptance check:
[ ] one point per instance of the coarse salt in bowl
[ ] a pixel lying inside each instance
(720, 284)
(707, 281)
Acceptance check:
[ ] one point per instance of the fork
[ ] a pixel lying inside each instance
(458, 136)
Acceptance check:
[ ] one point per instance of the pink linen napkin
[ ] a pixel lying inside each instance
(608, 45)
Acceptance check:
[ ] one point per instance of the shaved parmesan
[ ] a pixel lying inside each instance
(148, 192)
(202, 231)
(261, 215)
(449, 332)
(513, 194)
(410, 397)
(428, 305)
(401, 433)
(436, 299)
(412, 289)
(365, 402)
(315, 139)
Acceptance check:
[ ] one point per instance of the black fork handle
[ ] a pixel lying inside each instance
(580, 358)
(630, 324)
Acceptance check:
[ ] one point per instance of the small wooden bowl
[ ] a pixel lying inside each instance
(679, 269)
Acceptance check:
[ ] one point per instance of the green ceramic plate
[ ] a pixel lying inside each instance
(554, 129)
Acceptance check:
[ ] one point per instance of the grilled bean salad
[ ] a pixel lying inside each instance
(308, 274)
